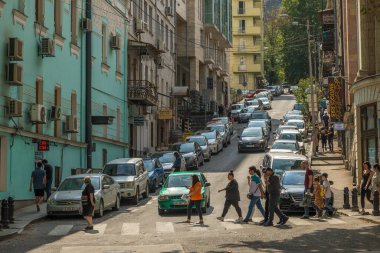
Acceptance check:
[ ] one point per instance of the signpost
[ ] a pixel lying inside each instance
(139, 120)
(165, 113)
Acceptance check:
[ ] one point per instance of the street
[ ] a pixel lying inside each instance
(141, 229)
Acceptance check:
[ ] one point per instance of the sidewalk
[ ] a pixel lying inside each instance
(23, 217)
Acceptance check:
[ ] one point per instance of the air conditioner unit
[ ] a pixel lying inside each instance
(115, 42)
(13, 74)
(47, 47)
(15, 47)
(55, 113)
(139, 26)
(38, 114)
(14, 108)
(169, 11)
(86, 24)
(71, 124)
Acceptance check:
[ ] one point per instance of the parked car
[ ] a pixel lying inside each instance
(264, 95)
(192, 152)
(175, 186)
(294, 135)
(66, 200)
(203, 143)
(254, 104)
(281, 162)
(215, 140)
(132, 176)
(226, 121)
(260, 123)
(156, 174)
(245, 115)
(266, 103)
(299, 107)
(288, 117)
(294, 112)
(167, 160)
(252, 139)
(282, 128)
(285, 146)
(235, 110)
(261, 115)
(221, 128)
(300, 125)
(293, 89)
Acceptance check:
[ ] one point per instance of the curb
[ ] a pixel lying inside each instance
(19, 231)
(360, 218)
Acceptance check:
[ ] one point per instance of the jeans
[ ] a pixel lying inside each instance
(331, 145)
(48, 188)
(266, 214)
(273, 208)
(227, 205)
(306, 208)
(363, 195)
(197, 204)
(328, 206)
(254, 201)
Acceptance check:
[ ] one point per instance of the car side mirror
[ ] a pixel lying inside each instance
(53, 189)
(207, 184)
(106, 186)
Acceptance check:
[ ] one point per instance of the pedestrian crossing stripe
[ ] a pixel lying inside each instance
(130, 229)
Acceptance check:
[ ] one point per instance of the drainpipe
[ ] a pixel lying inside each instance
(126, 125)
(88, 122)
(343, 74)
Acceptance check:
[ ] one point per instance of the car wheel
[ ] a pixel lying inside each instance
(160, 211)
(146, 193)
(136, 199)
(101, 209)
(117, 204)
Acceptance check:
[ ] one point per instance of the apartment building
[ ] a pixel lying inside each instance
(204, 29)
(42, 94)
(247, 55)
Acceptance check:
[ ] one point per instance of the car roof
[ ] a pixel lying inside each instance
(196, 136)
(253, 128)
(296, 120)
(285, 141)
(125, 160)
(183, 142)
(163, 152)
(185, 173)
(290, 131)
(293, 171)
(86, 175)
(237, 104)
(287, 156)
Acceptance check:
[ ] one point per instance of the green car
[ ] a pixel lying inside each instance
(175, 186)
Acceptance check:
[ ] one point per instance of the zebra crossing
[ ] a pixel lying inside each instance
(135, 228)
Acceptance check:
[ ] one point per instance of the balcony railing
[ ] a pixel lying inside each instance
(241, 30)
(142, 92)
(241, 10)
(210, 56)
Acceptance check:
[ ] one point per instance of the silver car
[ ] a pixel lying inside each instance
(132, 176)
(66, 200)
(235, 110)
(167, 160)
(203, 143)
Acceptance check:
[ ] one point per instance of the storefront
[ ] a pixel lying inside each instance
(368, 118)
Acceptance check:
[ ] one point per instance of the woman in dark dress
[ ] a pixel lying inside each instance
(88, 202)
(365, 192)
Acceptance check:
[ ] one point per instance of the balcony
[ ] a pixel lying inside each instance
(247, 68)
(224, 73)
(217, 67)
(248, 30)
(142, 92)
(209, 56)
(249, 12)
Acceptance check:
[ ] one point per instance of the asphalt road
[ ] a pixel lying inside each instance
(141, 229)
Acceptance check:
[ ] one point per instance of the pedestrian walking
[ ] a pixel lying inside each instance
(375, 180)
(49, 177)
(318, 197)
(274, 190)
(195, 196)
(266, 195)
(308, 183)
(326, 120)
(88, 202)
(256, 193)
(324, 139)
(330, 137)
(327, 196)
(38, 181)
(321, 110)
(316, 137)
(364, 186)
(232, 197)
(177, 162)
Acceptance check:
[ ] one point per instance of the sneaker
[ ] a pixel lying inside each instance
(239, 220)
(250, 220)
(304, 217)
(89, 228)
(220, 218)
(279, 223)
(284, 220)
(268, 224)
(201, 222)
(188, 221)
(245, 221)
(262, 222)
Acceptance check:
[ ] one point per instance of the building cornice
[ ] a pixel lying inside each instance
(365, 82)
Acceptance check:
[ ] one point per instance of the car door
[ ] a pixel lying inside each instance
(114, 189)
(198, 152)
(207, 189)
(137, 180)
(159, 170)
(144, 176)
(106, 193)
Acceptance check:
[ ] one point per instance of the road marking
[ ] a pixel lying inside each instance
(164, 227)
(230, 224)
(61, 230)
(99, 229)
(257, 219)
(300, 222)
(134, 210)
(335, 221)
(150, 202)
(130, 229)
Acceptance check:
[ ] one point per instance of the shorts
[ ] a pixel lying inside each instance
(88, 210)
(39, 192)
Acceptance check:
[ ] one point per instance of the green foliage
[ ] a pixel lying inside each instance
(302, 91)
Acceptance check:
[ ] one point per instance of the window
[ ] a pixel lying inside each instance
(171, 42)
(104, 158)
(242, 44)
(104, 43)
(40, 11)
(167, 37)
(58, 16)
(39, 99)
(254, 21)
(3, 164)
(242, 26)
(243, 78)
(150, 19)
(74, 22)
(145, 12)
(105, 109)
(74, 111)
(162, 28)
(242, 60)
(254, 41)
(241, 7)
(254, 58)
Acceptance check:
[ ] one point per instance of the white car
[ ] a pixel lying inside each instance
(300, 124)
(215, 141)
(293, 135)
(266, 103)
(235, 110)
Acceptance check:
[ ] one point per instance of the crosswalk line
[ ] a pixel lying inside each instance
(130, 229)
(230, 224)
(198, 228)
(334, 221)
(60, 230)
(99, 229)
(300, 222)
(257, 219)
(164, 227)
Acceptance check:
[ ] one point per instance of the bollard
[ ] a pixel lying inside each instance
(11, 205)
(376, 211)
(4, 213)
(354, 200)
(346, 197)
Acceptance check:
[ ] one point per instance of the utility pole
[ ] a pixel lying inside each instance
(311, 80)
(88, 91)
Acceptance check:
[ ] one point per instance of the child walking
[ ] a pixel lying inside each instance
(318, 197)
(327, 190)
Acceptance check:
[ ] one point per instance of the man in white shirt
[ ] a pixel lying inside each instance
(328, 195)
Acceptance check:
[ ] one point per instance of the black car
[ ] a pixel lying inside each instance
(192, 153)
(252, 138)
(261, 115)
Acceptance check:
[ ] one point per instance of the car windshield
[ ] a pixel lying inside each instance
(77, 184)
(184, 147)
(149, 165)
(125, 169)
(178, 181)
(219, 128)
(295, 112)
(167, 158)
(210, 135)
(236, 107)
(298, 107)
(284, 145)
(223, 120)
(286, 164)
(298, 124)
(258, 116)
(252, 133)
(294, 178)
(294, 116)
(257, 124)
(292, 137)
(264, 99)
(200, 141)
